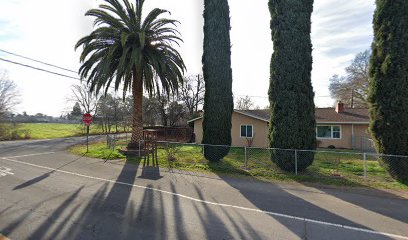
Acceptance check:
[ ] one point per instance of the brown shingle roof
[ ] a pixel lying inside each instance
(353, 115)
(263, 114)
(323, 115)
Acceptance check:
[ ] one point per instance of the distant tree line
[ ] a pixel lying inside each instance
(35, 118)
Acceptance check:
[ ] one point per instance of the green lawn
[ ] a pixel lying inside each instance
(46, 130)
(328, 168)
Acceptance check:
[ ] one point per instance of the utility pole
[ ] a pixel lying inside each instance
(352, 98)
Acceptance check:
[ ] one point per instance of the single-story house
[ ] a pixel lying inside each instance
(339, 127)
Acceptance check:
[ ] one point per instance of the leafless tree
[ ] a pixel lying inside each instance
(9, 96)
(87, 100)
(244, 103)
(192, 93)
(352, 89)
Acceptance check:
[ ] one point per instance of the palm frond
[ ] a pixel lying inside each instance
(123, 49)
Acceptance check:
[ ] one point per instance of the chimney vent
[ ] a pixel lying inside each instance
(339, 107)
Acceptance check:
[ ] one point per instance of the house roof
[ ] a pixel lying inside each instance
(323, 115)
(349, 115)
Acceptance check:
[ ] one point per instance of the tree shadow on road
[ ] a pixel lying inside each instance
(273, 198)
(44, 176)
(366, 197)
(120, 210)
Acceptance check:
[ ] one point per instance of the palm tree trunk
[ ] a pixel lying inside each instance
(137, 116)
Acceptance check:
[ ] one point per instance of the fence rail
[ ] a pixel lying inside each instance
(324, 163)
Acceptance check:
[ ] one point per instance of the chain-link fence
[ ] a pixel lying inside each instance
(345, 165)
(363, 144)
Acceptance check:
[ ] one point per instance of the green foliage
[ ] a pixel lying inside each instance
(76, 112)
(388, 85)
(292, 124)
(218, 101)
(13, 131)
(171, 151)
(96, 150)
(10, 131)
(126, 51)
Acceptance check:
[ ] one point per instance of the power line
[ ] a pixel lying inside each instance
(267, 96)
(38, 61)
(43, 70)
(39, 69)
(252, 96)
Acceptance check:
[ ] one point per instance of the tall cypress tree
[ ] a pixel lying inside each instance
(218, 101)
(292, 123)
(388, 87)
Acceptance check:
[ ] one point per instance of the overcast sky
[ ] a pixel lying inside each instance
(47, 30)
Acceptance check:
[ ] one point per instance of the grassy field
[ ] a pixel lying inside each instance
(46, 130)
(327, 168)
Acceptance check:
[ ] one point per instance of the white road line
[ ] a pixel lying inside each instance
(214, 203)
(30, 155)
(5, 170)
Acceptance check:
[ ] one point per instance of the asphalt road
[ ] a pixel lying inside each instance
(46, 193)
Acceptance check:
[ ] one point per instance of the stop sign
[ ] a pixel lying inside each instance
(87, 119)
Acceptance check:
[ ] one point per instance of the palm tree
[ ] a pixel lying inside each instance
(124, 50)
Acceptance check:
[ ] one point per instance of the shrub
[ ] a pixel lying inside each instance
(218, 100)
(389, 85)
(292, 123)
(171, 154)
(289, 160)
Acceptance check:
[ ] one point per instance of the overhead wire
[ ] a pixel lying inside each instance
(38, 61)
(268, 97)
(37, 68)
(69, 70)
(44, 70)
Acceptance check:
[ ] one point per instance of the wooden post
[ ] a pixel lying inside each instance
(87, 139)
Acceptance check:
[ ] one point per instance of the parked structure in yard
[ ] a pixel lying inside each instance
(339, 127)
(170, 134)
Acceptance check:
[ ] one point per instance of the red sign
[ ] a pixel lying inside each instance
(87, 119)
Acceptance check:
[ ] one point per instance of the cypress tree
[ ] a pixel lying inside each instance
(292, 123)
(388, 86)
(218, 101)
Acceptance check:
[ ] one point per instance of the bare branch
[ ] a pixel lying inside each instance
(87, 100)
(244, 103)
(352, 89)
(192, 93)
(9, 96)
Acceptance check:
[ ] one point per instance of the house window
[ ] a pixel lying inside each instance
(333, 132)
(246, 131)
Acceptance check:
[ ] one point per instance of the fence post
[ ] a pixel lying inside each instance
(139, 148)
(365, 164)
(296, 168)
(246, 159)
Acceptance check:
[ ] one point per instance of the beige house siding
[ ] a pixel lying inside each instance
(346, 140)
(198, 130)
(260, 131)
(361, 134)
